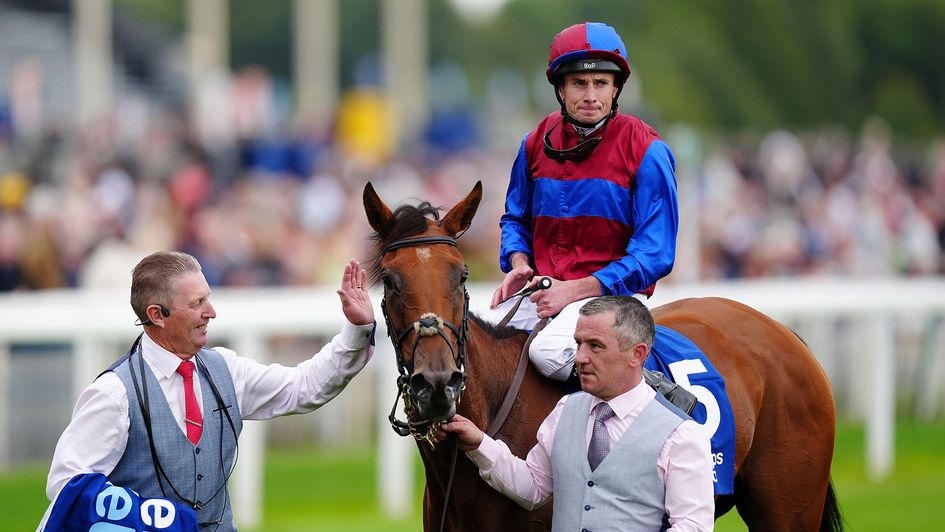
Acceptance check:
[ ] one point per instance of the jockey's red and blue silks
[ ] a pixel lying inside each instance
(613, 215)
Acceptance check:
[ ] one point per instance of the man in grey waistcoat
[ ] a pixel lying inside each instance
(617, 456)
(165, 419)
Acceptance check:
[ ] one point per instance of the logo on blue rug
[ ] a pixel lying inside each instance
(677, 357)
(90, 503)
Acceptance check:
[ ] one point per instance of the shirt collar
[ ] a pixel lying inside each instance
(627, 402)
(160, 359)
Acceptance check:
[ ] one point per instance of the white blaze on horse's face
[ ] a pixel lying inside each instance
(423, 254)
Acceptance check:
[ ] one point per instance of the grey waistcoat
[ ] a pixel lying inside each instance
(194, 470)
(625, 492)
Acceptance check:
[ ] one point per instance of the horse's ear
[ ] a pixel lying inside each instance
(461, 215)
(378, 213)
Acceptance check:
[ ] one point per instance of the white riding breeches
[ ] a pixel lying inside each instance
(553, 349)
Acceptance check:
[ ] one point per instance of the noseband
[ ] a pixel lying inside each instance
(429, 324)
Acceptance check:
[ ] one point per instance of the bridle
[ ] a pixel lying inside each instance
(429, 324)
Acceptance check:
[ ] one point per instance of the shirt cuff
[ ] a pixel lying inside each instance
(486, 455)
(357, 336)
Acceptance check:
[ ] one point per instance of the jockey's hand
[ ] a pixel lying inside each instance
(550, 301)
(470, 436)
(514, 281)
(355, 300)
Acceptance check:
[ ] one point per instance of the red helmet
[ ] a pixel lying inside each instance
(587, 47)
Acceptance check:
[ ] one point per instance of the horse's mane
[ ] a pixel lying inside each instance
(499, 332)
(407, 221)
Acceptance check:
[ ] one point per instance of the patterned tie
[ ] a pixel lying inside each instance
(600, 442)
(193, 419)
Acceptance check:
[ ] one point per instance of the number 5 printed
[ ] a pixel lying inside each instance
(681, 371)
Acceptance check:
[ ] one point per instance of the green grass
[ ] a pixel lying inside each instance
(313, 489)
(908, 500)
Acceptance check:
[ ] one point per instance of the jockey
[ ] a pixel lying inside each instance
(591, 201)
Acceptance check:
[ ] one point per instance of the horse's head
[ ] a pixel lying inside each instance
(425, 300)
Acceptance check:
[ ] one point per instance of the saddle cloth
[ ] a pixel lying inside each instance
(677, 357)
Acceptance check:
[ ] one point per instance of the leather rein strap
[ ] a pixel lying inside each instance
(516, 385)
(519, 375)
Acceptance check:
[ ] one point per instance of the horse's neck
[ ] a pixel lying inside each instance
(491, 364)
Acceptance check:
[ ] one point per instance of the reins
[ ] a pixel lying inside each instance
(543, 283)
(515, 386)
(512, 393)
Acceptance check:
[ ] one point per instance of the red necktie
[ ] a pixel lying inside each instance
(193, 418)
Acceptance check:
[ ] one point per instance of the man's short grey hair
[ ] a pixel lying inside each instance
(152, 280)
(632, 320)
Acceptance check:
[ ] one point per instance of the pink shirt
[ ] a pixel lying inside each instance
(684, 463)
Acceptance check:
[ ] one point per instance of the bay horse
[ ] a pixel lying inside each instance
(451, 361)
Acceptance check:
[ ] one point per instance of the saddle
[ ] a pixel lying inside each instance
(674, 393)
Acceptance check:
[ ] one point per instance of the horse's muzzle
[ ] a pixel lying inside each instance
(436, 394)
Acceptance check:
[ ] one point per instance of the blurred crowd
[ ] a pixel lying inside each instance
(833, 204)
(267, 207)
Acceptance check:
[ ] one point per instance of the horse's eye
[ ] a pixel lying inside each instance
(386, 280)
(465, 275)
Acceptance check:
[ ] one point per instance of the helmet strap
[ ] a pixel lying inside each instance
(583, 149)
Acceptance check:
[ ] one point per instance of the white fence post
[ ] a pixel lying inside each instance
(932, 363)
(86, 363)
(881, 415)
(395, 454)
(5, 428)
(247, 480)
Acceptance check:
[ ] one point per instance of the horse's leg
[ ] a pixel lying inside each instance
(782, 483)
(769, 498)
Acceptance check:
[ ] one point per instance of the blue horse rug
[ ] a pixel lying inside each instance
(90, 503)
(677, 357)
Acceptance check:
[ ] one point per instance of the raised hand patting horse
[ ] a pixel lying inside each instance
(452, 362)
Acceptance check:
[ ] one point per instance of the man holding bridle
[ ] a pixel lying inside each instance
(617, 456)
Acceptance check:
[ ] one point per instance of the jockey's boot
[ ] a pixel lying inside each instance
(674, 393)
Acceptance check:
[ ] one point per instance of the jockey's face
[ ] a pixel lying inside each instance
(588, 96)
(605, 369)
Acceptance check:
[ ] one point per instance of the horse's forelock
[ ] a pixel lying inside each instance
(407, 221)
